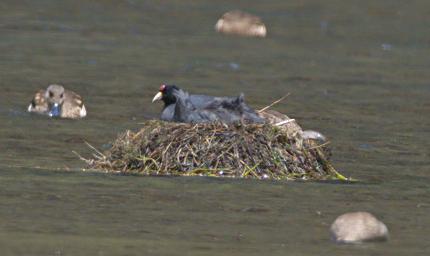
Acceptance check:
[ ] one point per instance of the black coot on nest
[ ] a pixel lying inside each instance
(179, 106)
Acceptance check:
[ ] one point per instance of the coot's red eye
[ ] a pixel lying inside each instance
(51, 94)
(61, 96)
(162, 88)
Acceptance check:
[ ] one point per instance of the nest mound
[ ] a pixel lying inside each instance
(215, 149)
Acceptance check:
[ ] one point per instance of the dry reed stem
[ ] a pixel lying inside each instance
(273, 103)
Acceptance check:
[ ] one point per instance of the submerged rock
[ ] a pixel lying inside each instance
(241, 23)
(357, 227)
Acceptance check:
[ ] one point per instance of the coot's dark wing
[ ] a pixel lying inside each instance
(200, 101)
(183, 106)
(185, 111)
(168, 112)
(196, 101)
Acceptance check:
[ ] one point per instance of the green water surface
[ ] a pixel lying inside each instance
(357, 71)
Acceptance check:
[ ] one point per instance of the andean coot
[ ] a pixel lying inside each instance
(203, 108)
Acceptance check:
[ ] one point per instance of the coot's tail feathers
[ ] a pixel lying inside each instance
(248, 114)
(241, 98)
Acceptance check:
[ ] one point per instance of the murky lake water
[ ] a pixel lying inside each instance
(358, 71)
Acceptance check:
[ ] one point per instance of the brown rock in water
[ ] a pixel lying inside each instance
(241, 23)
(357, 227)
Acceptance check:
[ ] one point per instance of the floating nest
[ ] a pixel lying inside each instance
(261, 151)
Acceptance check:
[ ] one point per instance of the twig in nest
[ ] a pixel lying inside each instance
(285, 122)
(320, 145)
(96, 150)
(88, 161)
(273, 103)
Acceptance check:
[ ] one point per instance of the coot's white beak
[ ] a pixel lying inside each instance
(157, 96)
